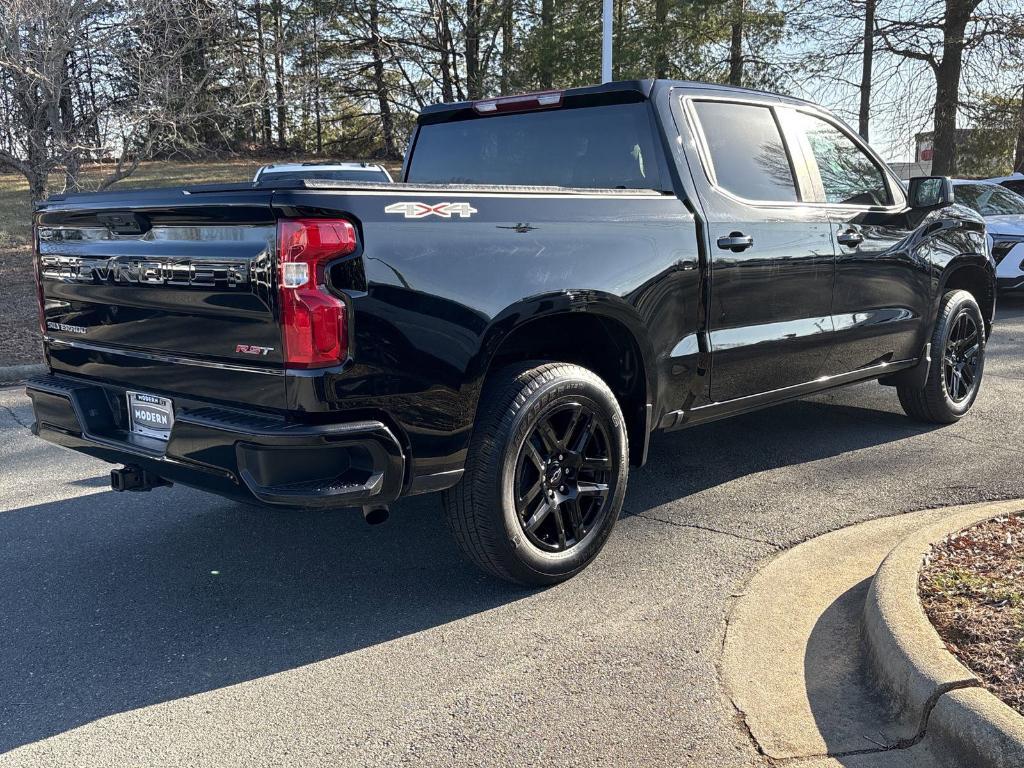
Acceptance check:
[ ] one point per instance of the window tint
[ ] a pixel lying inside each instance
(848, 174)
(600, 147)
(747, 152)
(990, 199)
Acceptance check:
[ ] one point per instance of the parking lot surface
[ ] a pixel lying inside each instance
(176, 628)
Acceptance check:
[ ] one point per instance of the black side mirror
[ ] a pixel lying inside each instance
(930, 192)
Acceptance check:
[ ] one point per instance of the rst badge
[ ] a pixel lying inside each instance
(252, 349)
(412, 210)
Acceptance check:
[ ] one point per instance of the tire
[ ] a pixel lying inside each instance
(958, 363)
(516, 467)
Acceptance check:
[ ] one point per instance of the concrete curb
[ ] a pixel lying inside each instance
(13, 374)
(912, 663)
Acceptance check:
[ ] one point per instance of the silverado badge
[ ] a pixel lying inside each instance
(444, 210)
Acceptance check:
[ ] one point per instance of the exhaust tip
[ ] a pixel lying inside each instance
(376, 514)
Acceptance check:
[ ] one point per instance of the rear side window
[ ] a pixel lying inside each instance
(748, 156)
(848, 174)
(599, 147)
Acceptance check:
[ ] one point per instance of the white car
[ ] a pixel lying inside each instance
(1013, 182)
(1004, 217)
(335, 171)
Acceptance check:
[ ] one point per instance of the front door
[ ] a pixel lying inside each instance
(772, 259)
(881, 290)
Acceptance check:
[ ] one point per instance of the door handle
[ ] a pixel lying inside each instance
(735, 242)
(850, 239)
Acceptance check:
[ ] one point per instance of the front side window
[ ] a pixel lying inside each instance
(848, 174)
(747, 154)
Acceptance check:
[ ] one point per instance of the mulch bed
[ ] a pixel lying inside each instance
(972, 588)
(19, 315)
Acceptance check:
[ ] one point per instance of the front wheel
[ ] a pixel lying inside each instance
(958, 362)
(545, 474)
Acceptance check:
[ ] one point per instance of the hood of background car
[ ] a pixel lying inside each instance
(1005, 225)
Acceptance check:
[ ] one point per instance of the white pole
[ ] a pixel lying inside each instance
(606, 44)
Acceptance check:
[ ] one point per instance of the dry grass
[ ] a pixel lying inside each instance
(972, 587)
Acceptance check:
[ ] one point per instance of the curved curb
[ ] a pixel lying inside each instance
(911, 661)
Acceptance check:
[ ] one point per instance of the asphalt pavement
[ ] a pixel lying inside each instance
(177, 628)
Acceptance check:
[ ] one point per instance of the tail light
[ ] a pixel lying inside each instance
(314, 327)
(37, 272)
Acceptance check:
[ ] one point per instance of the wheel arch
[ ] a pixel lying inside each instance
(972, 273)
(599, 332)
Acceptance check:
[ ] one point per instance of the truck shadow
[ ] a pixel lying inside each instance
(118, 601)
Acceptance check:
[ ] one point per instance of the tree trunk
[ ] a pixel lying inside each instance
(547, 41)
(1018, 155)
(507, 42)
(660, 39)
(736, 45)
(864, 118)
(261, 61)
(282, 112)
(474, 84)
(947, 86)
(380, 83)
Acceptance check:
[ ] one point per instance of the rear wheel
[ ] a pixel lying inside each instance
(958, 362)
(545, 475)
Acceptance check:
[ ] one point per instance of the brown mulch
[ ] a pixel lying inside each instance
(972, 588)
(19, 315)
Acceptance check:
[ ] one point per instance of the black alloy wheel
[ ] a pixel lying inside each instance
(562, 476)
(960, 359)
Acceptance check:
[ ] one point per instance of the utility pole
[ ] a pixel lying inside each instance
(606, 43)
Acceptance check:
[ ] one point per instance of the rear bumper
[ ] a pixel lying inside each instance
(235, 453)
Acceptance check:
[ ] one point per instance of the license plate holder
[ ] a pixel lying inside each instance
(150, 415)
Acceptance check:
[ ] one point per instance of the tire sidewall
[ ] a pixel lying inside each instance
(557, 565)
(954, 308)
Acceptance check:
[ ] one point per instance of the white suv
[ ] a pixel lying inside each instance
(335, 171)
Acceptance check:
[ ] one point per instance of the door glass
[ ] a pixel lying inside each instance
(747, 153)
(848, 174)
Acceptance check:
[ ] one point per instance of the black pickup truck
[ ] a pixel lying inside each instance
(556, 276)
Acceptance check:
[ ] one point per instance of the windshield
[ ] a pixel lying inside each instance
(990, 199)
(597, 147)
(334, 175)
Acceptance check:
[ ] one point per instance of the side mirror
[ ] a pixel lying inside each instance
(926, 192)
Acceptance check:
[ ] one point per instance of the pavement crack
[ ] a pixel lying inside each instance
(709, 529)
(16, 418)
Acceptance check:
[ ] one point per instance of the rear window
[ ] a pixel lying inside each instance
(747, 153)
(605, 147)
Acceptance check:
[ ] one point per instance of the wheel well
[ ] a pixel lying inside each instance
(600, 344)
(976, 281)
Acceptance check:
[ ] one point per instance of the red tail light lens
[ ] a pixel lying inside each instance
(314, 327)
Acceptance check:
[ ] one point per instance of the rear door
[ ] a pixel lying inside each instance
(772, 258)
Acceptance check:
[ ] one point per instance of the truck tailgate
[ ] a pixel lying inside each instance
(164, 291)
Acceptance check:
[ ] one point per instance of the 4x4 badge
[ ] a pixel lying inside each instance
(420, 210)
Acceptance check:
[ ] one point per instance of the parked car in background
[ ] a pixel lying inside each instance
(1013, 182)
(1004, 217)
(332, 171)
